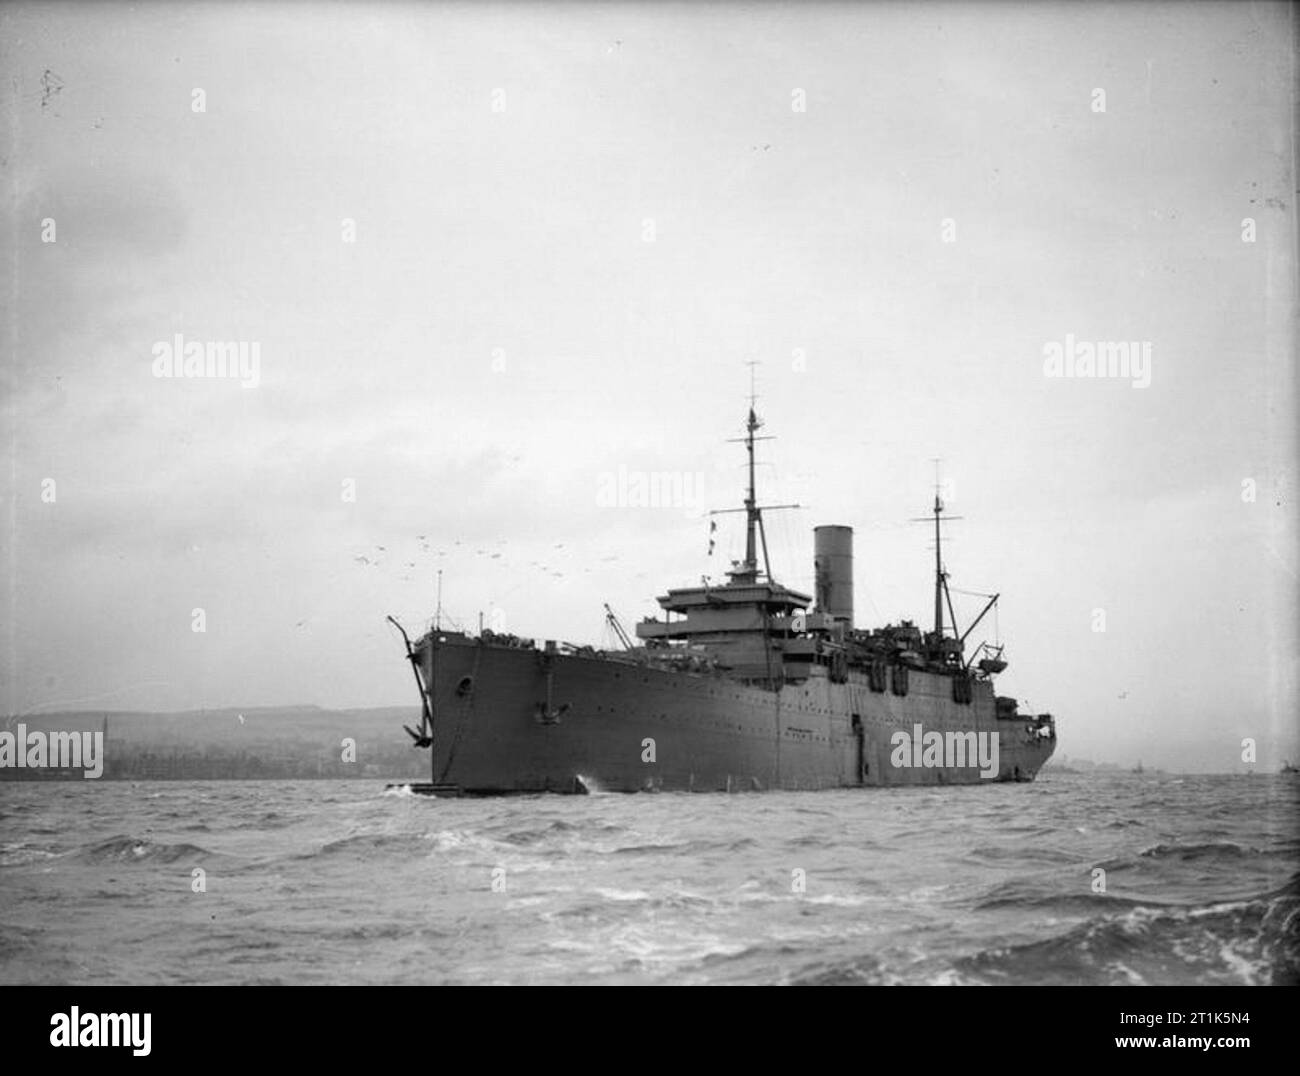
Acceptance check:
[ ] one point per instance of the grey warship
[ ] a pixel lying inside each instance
(746, 685)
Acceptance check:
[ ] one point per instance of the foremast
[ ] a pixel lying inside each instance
(746, 571)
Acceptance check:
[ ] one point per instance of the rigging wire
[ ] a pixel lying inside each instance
(969, 593)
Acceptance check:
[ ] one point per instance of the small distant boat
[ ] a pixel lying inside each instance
(1288, 768)
(1138, 768)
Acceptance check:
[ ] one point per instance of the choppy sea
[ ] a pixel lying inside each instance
(1111, 879)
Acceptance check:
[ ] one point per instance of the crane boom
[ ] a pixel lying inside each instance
(613, 622)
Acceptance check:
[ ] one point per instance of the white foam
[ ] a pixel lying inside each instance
(836, 900)
(1250, 972)
(1134, 979)
(21, 854)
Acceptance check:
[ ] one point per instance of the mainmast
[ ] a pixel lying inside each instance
(940, 576)
(938, 568)
(753, 517)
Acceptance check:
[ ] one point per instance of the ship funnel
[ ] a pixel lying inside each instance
(833, 572)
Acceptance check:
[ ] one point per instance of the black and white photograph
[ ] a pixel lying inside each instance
(649, 494)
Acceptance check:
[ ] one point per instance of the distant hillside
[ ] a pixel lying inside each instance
(280, 742)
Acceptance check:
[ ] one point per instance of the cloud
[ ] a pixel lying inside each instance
(116, 234)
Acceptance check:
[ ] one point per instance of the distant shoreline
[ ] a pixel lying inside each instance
(256, 743)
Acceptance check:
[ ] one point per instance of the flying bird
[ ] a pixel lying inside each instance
(51, 86)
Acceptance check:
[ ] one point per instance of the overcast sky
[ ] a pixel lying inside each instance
(572, 228)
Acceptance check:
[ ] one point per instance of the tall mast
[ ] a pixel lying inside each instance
(752, 516)
(940, 586)
(938, 568)
(746, 571)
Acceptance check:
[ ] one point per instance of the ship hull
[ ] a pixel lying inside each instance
(510, 719)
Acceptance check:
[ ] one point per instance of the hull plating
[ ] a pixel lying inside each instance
(520, 720)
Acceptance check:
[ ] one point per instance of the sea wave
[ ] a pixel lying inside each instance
(125, 849)
(23, 853)
(343, 882)
(1252, 942)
